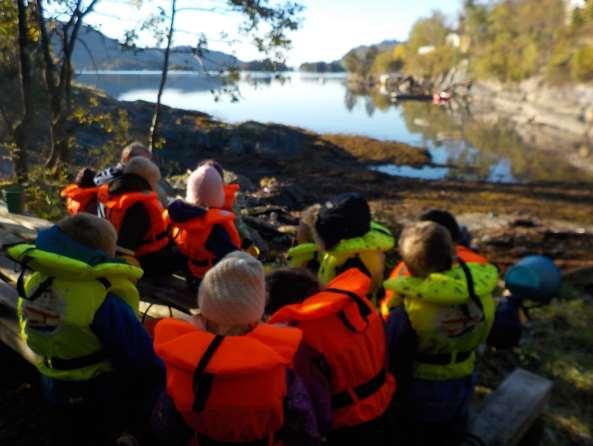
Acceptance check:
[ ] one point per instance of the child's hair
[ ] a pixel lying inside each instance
(215, 164)
(305, 231)
(144, 168)
(288, 286)
(90, 231)
(133, 150)
(443, 218)
(85, 177)
(426, 247)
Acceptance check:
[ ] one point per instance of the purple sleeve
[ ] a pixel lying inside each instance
(312, 368)
(300, 423)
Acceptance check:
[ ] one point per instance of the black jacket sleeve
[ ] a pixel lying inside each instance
(134, 227)
(219, 243)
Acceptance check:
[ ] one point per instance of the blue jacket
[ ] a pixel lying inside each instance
(124, 338)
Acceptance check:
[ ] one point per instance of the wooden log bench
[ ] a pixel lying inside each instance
(511, 410)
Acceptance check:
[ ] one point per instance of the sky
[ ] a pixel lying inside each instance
(330, 28)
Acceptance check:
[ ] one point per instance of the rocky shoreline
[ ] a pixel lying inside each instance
(284, 169)
(546, 116)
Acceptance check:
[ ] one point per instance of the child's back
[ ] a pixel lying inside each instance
(445, 313)
(345, 237)
(230, 376)
(340, 323)
(78, 312)
(202, 231)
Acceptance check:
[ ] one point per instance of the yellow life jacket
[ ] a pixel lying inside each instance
(370, 248)
(450, 319)
(57, 305)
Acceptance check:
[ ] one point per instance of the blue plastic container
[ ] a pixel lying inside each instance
(534, 277)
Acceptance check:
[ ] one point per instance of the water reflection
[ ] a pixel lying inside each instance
(462, 142)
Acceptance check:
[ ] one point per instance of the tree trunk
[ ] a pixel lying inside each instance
(22, 130)
(60, 87)
(156, 116)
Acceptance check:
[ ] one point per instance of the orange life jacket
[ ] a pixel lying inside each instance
(228, 389)
(465, 254)
(230, 192)
(191, 237)
(78, 198)
(116, 206)
(341, 323)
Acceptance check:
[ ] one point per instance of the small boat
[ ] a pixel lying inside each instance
(410, 97)
(441, 97)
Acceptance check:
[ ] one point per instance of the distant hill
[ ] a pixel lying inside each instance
(322, 67)
(337, 66)
(381, 46)
(95, 51)
(263, 65)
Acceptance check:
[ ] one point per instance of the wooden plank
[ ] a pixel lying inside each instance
(31, 223)
(168, 290)
(508, 413)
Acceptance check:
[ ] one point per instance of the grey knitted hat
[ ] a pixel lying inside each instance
(233, 292)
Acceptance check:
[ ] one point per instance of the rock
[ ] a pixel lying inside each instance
(244, 183)
(235, 146)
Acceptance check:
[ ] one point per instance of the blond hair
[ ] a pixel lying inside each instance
(306, 229)
(90, 231)
(144, 168)
(426, 247)
(133, 150)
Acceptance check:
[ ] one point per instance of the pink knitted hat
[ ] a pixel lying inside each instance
(205, 187)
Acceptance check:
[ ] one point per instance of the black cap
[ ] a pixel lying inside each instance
(346, 216)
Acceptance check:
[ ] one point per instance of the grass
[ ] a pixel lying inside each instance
(558, 344)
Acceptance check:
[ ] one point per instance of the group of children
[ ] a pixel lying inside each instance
(300, 355)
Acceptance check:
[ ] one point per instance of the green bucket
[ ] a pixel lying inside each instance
(15, 199)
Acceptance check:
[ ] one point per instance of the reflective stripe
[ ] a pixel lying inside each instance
(443, 359)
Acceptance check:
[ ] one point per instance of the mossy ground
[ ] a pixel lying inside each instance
(558, 344)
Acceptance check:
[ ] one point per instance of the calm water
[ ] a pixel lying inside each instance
(461, 146)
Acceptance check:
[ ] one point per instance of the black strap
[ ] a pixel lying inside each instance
(202, 380)
(43, 286)
(200, 263)
(157, 237)
(470, 286)
(443, 359)
(103, 281)
(75, 363)
(362, 391)
(363, 308)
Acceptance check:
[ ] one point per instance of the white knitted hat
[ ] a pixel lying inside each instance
(205, 187)
(233, 292)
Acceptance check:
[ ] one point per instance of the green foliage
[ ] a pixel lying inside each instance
(42, 192)
(581, 64)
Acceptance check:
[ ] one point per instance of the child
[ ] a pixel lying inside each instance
(132, 150)
(340, 323)
(230, 376)
(462, 250)
(131, 205)
(78, 312)
(203, 232)
(81, 196)
(345, 237)
(445, 312)
(230, 204)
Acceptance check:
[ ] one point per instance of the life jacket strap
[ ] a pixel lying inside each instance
(202, 380)
(471, 290)
(444, 358)
(362, 391)
(75, 363)
(363, 308)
